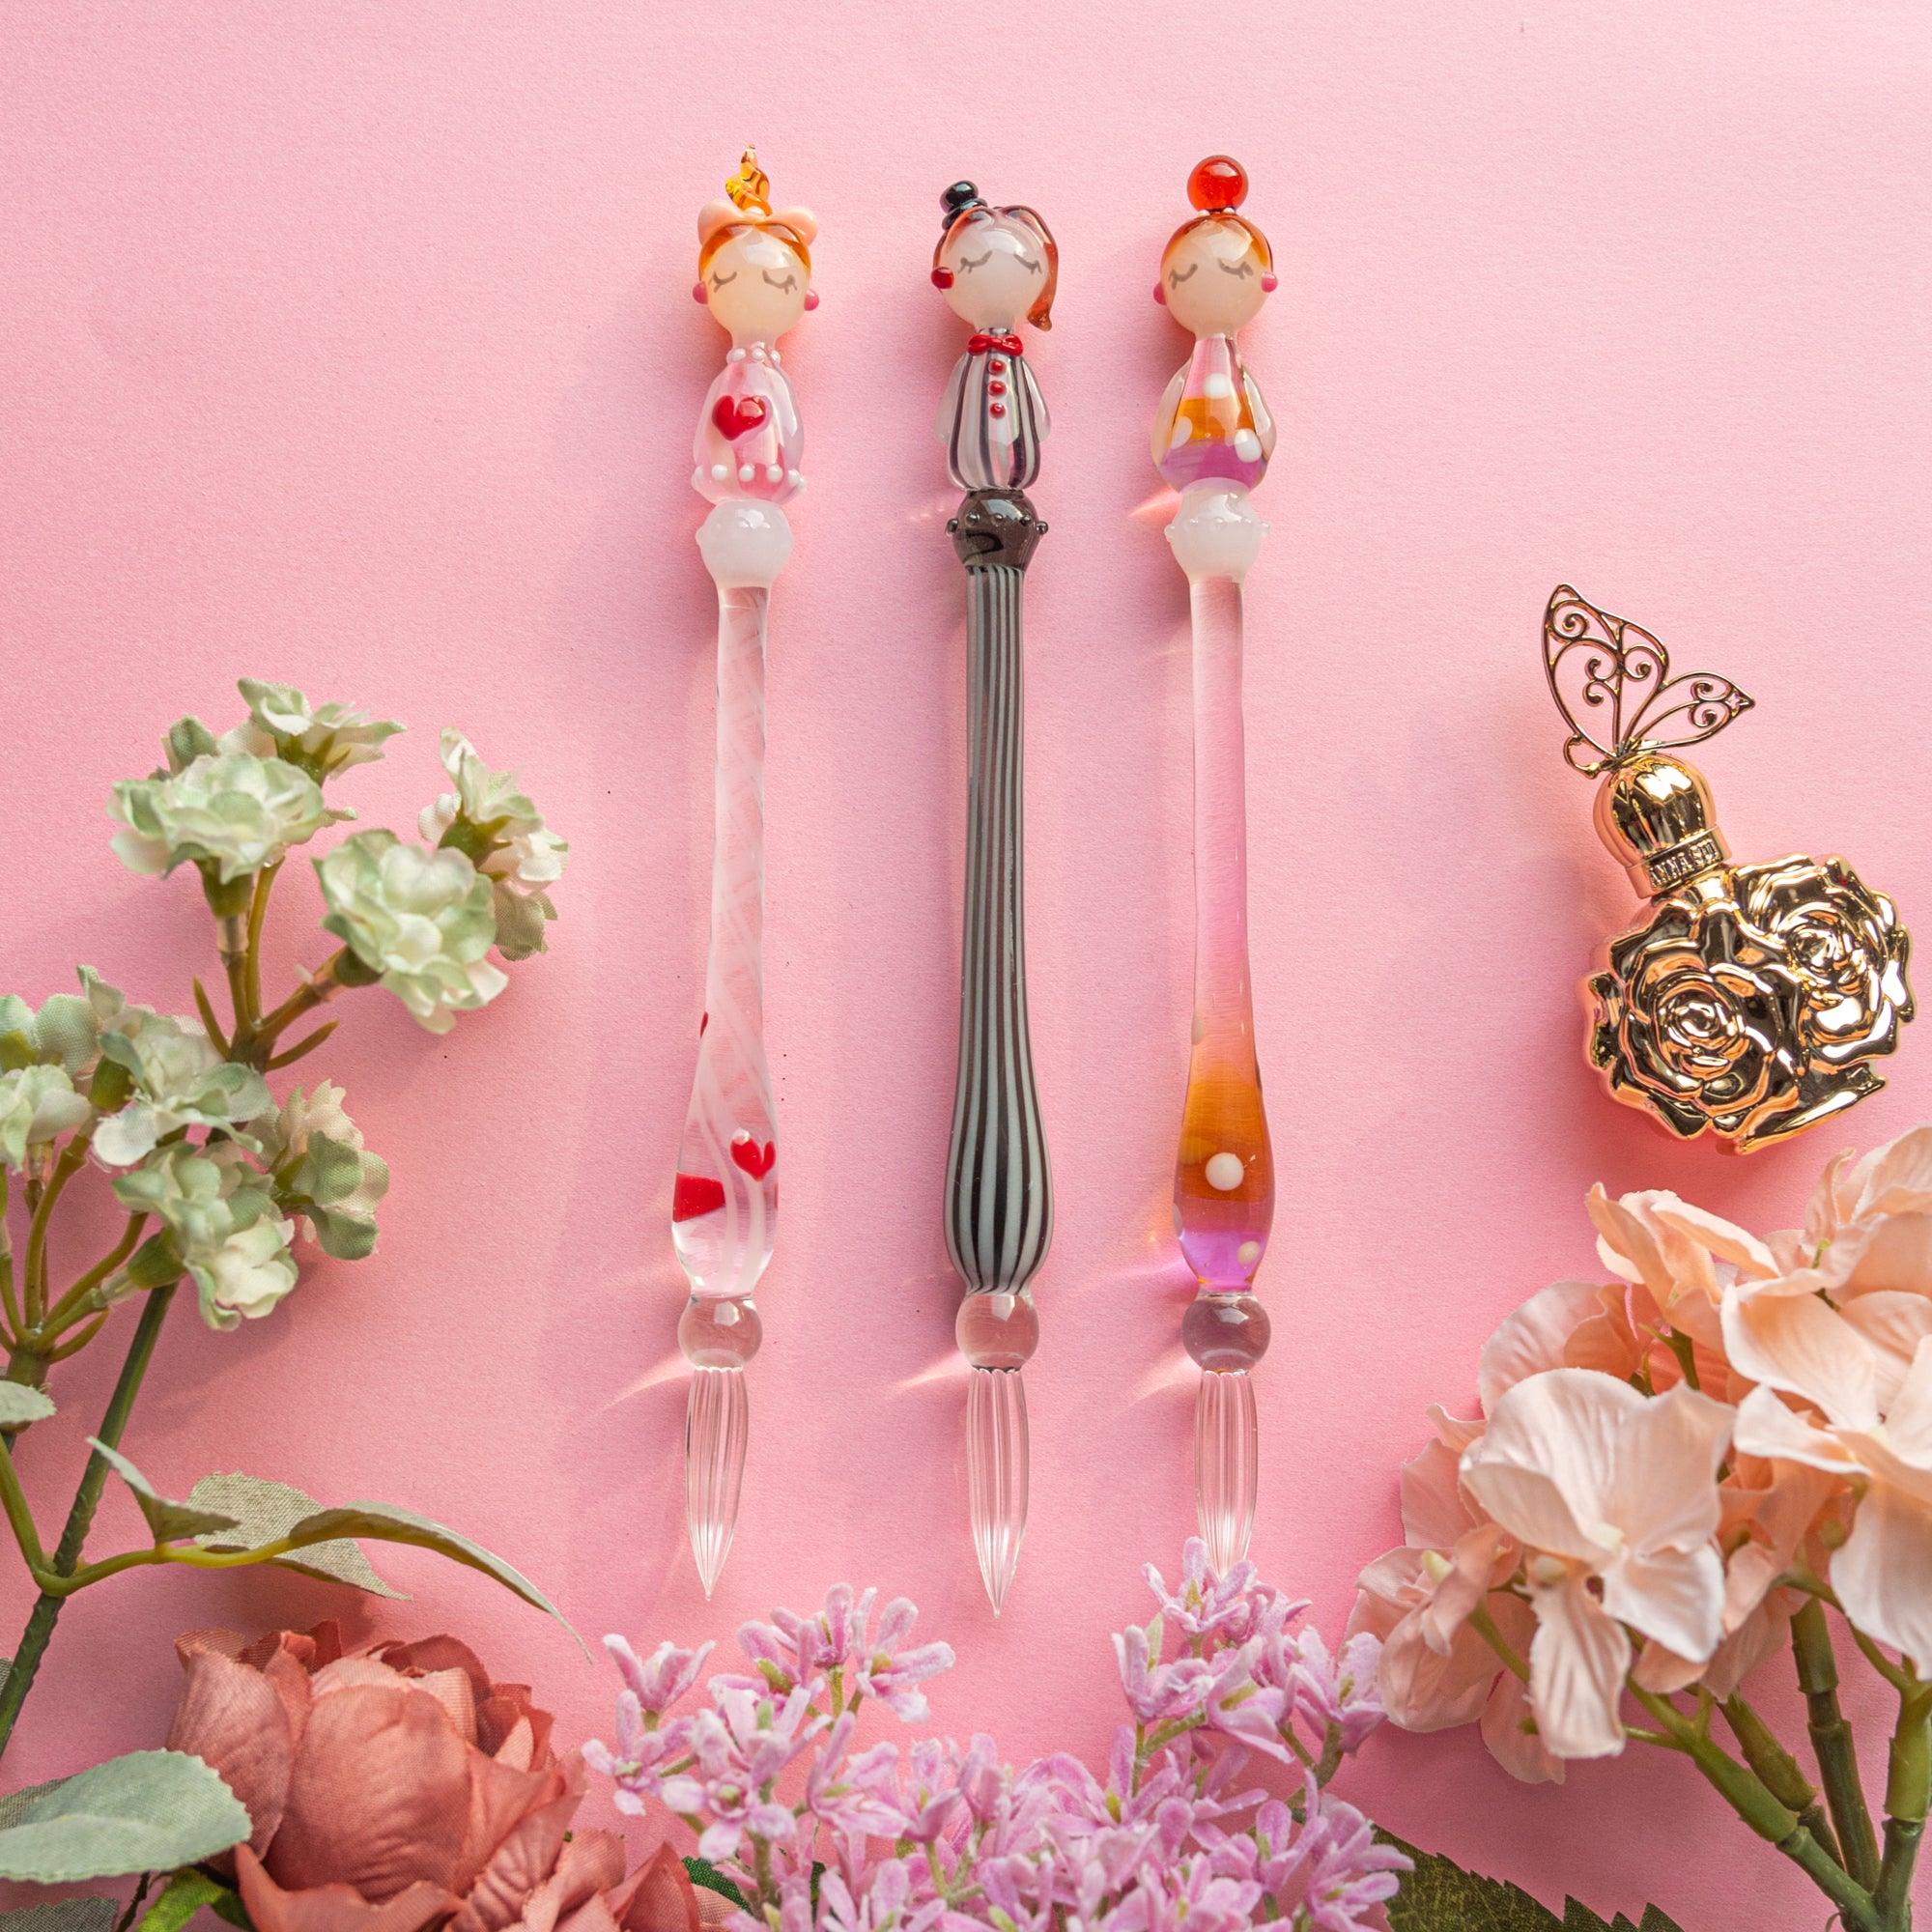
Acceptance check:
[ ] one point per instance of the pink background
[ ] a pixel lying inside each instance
(352, 345)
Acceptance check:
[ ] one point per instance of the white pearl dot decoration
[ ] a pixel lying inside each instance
(1225, 1172)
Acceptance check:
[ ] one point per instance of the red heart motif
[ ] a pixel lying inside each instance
(734, 415)
(755, 1160)
(695, 1194)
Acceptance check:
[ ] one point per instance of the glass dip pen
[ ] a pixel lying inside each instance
(1211, 440)
(753, 274)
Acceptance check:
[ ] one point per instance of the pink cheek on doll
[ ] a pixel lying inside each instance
(1269, 283)
(941, 278)
(811, 299)
(1160, 295)
(697, 294)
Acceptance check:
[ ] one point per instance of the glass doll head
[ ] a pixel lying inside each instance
(994, 264)
(754, 267)
(1217, 268)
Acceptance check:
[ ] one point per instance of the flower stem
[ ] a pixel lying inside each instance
(1485, 1627)
(12, 1306)
(1832, 1741)
(1779, 1772)
(46, 1608)
(71, 1308)
(255, 1045)
(1907, 1790)
(1776, 1823)
(258, 911)
(34, 1283)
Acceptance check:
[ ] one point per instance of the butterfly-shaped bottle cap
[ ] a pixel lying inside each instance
(1613, 682)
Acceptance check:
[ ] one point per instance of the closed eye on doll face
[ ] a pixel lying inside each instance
(719, 280)
(1244, 267)
(1175, 278)
(787, 281)
(968, 263)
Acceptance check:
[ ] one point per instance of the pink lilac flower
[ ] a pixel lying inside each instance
(1346, 1874)
(658, 1684)
(739, 1748)
(1158, 1692)
(936, 1839)
(1205, 1605)
(642, 1754)
(1339, 1691)
(887, 1666)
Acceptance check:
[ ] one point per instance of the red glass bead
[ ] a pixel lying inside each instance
(998, 365)
(998, 388)
(998, 409)
(1219, 182)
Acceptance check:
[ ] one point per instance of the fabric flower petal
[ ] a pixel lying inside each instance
(1576, 1667)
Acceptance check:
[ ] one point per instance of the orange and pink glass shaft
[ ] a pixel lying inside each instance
(1212, 441)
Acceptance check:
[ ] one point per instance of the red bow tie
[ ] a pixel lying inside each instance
(1011, 345)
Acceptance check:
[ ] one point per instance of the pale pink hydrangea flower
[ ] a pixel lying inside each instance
(1658, 1464)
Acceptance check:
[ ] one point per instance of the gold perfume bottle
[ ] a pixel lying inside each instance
(1751, 1000)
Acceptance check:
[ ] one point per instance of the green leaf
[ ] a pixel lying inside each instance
(148, 1812)
(20, 1405)
(188, 740)
(701, 1871)
(264, 1511)
(229, 1906)
(155, 1263)
(1440, 1896)
(346, 1237)
(330, 1170)
(169, 1521)
(180, 1899)
(386, 1523)
(66, 1032)
(91, 1914)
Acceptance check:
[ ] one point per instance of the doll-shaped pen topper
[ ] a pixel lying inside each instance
(1753, 998)
(996, 266)
(755, 275)
(1215, 273)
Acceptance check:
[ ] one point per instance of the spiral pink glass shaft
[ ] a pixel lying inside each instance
(725, 1205)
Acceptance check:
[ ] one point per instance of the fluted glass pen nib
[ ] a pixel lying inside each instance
(719, 1335)
(716, 1421)
(996, 1466)
(1226, 1449)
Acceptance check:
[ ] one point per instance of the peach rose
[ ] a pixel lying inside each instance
(399, 1787)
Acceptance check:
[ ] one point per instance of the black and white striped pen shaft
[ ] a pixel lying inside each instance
(999, 1193)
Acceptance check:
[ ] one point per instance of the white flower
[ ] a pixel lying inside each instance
(325, 1172)
(37, 1104)
(504, 834)
(420, 922)
(305, 1114)
(220, 1221)
(227, 810)
(180, 1081)
(62, 1033)
(247, 1274)
(321, 739)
